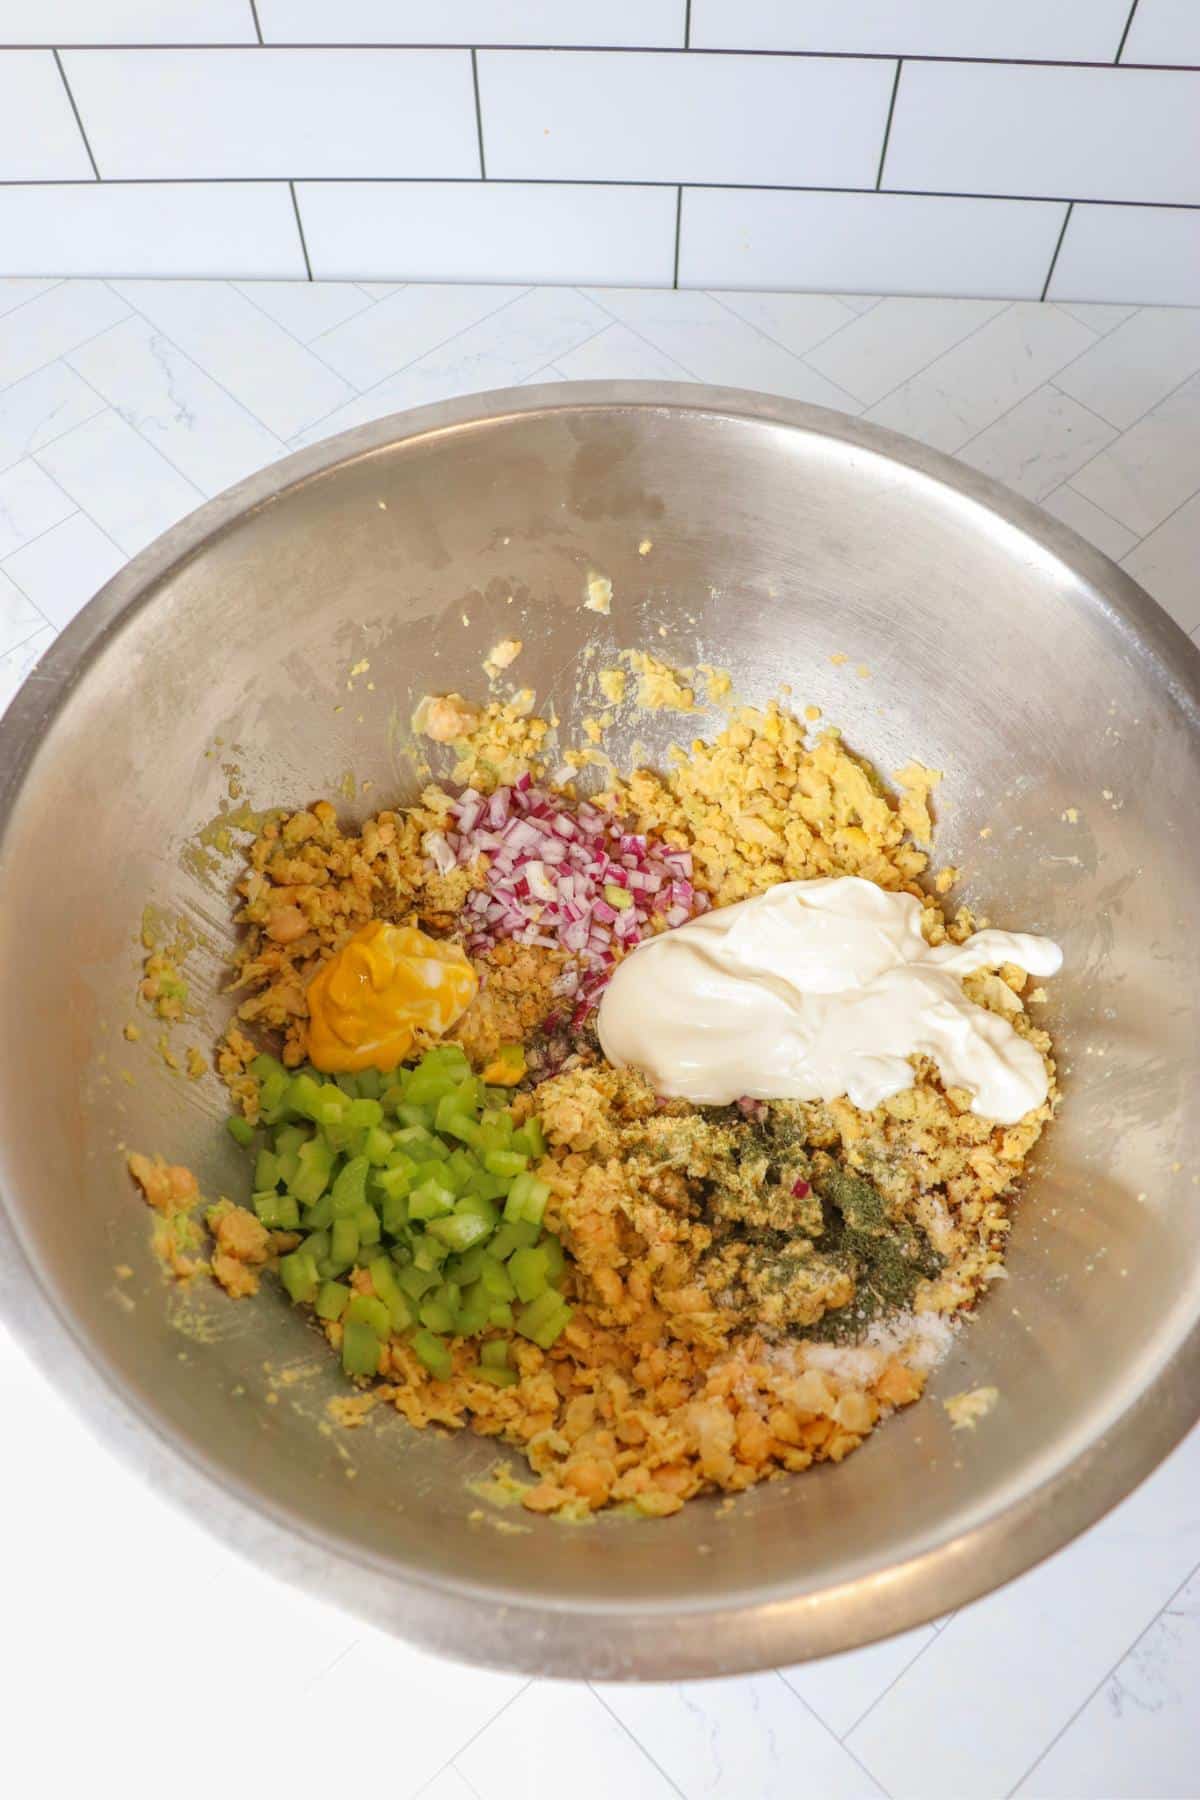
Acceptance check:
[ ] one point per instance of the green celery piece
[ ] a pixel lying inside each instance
(240, 1130)
(298, 1273)
(278, 1212)
(367, 1220)
(348, 1084)
(556, 1260)
(343, 1244)
(426, 1087)
(530, 1273)
(502, 1315)
(303, 1095)
(471, 1316)
(512, 1237)
(417, 1282)
(435, 1315)
(434, 1352)
(319, 1215)
(395, 1182)
(446, 1056)
(466, 1267)
(316, 1167)
(377, 1146)
(266, 1170)
(395, 1214)
(459, 1231)
(364, 1112)
(495, 1353)
(372, 1312)
(265, 1066)
(428, 1253)
(488, 1187)
(460, 1125)
(430, 1201)
(501, 1378)
(317, 1245)
(496, 1279)
(481, 1208)
(526, 1200)
(532, 1131)
(288, 1139)
(505, 1163)
(544, 1319)
(333, 1297)
(370, 1084)
(360, 1348)
(414, 1118)
(392, 1098)
(273, 1097)
(453, 1178)
(350, 1188)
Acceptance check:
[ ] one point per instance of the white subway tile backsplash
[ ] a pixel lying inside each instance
(126, 22)
(178, 409)
(276, 113)
(633, 116)
(1075, 30)
(39, 139)
(652, 24)
(1078, 133)
(281, 383)
(1144, 254)
(61, 570)
(120, 480)
(895, 243)
(243, 228)
(465, 231)
(1164, 31)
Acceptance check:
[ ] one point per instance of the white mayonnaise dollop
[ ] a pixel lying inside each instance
(817, 989)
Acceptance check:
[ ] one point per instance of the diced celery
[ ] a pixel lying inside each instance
(489, 1187)
(343, 1245)
(273, 1097)
(316, 1166)
(544, 1319)
(240, 1130)
(317, 1245)
(496, 1279)
(460, 1230)
(364, 1112)
(530, 1273)
(434, 1352)
(360, 1348)
(507, 1163)
(447, 1056)
(370, 1084)
(395, 1213)
(303, 1095)
(377, 1146)
(467, 1267)
(414, 1118)
(435, 1315)
(298, 1273)
(430, 1201)
(392, 1098)
(426, 1086)
(526, 1200)
(512, 1237)
(481, 1208)
(348, 1084)
(278, 1212)
(417, 1282)
(320, 1214)
(428, 1253)
(501, 1378)
(367, 1220)
(556, 1260)
(532, 1131)
(471, 1316)
(394, 1182)
(265, 1065)
(495, 1353)
(460, 1125)
(502, 1315)
(332, 1299)
(266, 1170)
(372, 1312)
(350, 1188)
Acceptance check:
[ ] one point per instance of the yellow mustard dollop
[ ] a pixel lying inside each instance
(366, 1005)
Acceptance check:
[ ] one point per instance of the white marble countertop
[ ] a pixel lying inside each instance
(137, 1647)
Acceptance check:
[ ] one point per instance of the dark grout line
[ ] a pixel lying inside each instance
(687, 26)
(887, 130)
(254, 16)
(300, 228)
(478, 114)
(748, 187)
(62, 75)
(729, 50)
(1124, 35)
(678, 233)
(1058, 246)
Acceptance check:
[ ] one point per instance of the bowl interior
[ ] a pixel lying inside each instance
(924, 622)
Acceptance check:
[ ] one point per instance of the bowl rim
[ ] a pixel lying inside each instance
(469, 1621)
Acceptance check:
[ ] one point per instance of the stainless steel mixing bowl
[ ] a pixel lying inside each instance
(981, 637)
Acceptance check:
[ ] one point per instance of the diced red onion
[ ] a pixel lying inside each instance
(802, 1189)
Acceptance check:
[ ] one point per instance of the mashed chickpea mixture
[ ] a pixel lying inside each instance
(740, 1291)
